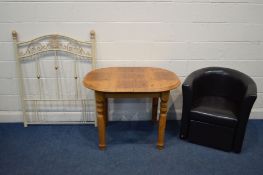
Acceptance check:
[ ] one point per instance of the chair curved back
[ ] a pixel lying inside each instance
(223, 82)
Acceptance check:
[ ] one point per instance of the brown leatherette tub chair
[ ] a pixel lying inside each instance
(216, 106)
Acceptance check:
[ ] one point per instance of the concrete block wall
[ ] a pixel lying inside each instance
(179, 35)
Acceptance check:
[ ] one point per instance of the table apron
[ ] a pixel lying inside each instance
(132, 95)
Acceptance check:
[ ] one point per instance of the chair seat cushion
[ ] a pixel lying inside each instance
(216, 110)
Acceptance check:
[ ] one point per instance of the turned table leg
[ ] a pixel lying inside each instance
(100, 107)
(106, 111)
(162, 119)
(154, 108)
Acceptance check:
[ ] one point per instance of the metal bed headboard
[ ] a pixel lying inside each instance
(45, 80)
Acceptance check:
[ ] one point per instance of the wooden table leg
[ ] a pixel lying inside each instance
(162, 119)
(100, 103)
(106, 111)
(154, 108)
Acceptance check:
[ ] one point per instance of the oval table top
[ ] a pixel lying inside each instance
(131, 79)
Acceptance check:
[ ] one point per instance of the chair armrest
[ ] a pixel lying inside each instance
(245, 109)
(187, 103)
(249, 98)
(187, 89)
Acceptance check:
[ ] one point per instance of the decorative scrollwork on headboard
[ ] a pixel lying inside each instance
(54, 43)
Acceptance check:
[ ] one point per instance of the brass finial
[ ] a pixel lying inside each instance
(92, 34)
(14, 34)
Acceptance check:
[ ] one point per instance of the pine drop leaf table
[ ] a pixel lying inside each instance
(131, 82)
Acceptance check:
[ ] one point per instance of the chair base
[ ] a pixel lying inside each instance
(211, 135)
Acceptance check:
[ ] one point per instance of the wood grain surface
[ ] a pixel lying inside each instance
(131, 79)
